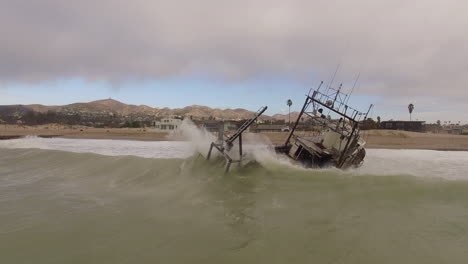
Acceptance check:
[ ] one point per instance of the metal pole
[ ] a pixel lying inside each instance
(368, 110)
(336, 96)
(352, 90)
(240, 146)
(209, 152)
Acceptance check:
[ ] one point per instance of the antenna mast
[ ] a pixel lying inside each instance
(354, 85)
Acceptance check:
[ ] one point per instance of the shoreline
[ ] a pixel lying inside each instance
(376, 139)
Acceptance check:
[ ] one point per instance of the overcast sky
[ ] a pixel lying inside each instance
(176, 53)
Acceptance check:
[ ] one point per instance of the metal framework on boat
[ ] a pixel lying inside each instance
(224, 146)
(346, 124)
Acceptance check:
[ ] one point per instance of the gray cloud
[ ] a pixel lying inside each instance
(400, 47)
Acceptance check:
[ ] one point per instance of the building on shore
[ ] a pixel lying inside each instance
(167, 124)
(454, 130)
(211, 125)
(231, 125)
(259, 128)
(217, 125)
(415, 126)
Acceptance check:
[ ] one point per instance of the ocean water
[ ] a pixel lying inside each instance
(113, 201)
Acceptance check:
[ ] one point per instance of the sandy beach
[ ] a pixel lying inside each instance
(387, 139)
(13, 131)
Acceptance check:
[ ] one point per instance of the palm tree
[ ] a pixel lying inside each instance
(410, 109)
(289, 103)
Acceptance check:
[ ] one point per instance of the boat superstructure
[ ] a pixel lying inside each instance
(334, 137)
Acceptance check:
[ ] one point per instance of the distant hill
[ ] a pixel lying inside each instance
(199, 111)
(109, 105)
(111, 112)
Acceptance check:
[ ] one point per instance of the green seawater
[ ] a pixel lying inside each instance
(61, 207)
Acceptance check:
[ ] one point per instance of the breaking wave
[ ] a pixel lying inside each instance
(422, 163)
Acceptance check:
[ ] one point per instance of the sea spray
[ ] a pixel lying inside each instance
(199, 138)
(257, 147)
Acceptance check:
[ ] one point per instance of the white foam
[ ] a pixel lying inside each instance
(146, 149)
(422, 163)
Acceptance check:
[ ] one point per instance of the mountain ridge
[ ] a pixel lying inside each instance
(115, 107)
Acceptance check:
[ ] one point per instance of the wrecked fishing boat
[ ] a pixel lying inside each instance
(333, 138)
(225, 144)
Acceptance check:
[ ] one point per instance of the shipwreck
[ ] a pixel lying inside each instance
(333, 138)
(225, 144)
